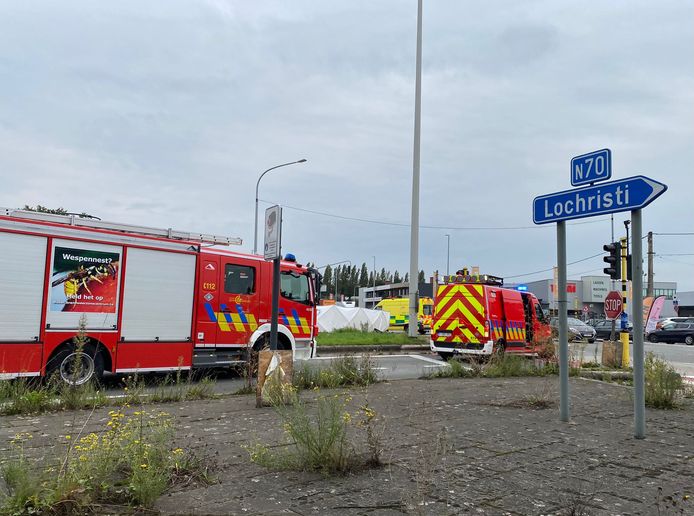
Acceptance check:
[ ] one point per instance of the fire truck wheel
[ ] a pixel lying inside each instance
(445, 356)
(499, 348)
(406, 328)
(76, 368)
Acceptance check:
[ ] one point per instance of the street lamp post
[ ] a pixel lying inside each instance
(448, 252)
(255, 230)
(373, 296)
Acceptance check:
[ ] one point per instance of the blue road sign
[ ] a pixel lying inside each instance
(628, 194)
(591, 168)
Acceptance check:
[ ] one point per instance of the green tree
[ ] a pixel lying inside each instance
(364, 276)
(328, 280)
(420, 278)
(406, 279)
(396, 277)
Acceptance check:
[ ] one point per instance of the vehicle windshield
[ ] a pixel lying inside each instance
(576, 322)
(427, 309)
(295, 287)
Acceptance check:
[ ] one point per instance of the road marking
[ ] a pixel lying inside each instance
(428, 359)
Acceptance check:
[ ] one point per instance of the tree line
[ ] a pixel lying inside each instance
(349, 279)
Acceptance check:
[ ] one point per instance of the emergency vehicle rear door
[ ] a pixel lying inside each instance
(515, 318)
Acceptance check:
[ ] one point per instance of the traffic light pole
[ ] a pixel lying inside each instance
(624, 333)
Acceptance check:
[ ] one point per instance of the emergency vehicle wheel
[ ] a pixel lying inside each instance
(76, 367)
(445, 356)
(406, 328)
(499, 348)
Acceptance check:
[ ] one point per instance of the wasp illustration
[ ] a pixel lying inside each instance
(83, 276)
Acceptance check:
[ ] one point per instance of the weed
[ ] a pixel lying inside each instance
(343, 371)
(129, 463)
(203, 390)
(506, 364)
(540, 399)
(456, 369)
(663, 383)
(671, 504)
(318, 439)
(27, 397)
(76, 397)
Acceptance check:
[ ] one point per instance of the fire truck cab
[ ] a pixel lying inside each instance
(475, 315)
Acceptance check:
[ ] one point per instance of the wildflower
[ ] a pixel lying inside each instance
(68, 437)
(178, 451)
(346, 417)
(143, 466)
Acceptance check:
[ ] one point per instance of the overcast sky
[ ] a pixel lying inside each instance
(165, 113)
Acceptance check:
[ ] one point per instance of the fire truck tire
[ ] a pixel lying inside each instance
(406, 328)
(499, 347)
(445, 356)
(63, 363)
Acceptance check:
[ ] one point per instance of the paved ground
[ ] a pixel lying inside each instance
(451, 447)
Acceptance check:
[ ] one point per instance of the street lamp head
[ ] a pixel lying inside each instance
(301, 161)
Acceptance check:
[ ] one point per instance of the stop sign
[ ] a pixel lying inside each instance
(613, 305)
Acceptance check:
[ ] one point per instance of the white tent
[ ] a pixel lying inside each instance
(335, 317)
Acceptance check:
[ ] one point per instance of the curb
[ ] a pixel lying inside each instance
(378, 348)
(602, 375)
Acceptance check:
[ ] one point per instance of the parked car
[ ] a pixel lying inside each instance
(603, 329)
(674, 332)
(578, 330)
(668, 320)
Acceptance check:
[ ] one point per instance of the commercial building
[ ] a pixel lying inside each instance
(586, 295)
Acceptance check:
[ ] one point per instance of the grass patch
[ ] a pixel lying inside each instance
(130, 463)
(319, 437)
(32, 396)
(498, 366)
(352, 337)
(344, 371)
(663, 384)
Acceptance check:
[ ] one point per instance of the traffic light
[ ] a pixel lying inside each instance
(613, 269)
(628, 267)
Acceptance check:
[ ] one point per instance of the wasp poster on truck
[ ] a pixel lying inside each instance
(84, 279)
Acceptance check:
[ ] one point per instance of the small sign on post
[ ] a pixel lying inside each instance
(273, 232)
(591, 168)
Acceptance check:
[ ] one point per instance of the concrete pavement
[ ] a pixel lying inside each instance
(450, 446)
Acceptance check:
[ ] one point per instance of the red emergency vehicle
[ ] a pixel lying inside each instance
(150, 299)
(475, 315)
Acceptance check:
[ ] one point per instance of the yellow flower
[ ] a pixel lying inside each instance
(143, 466)
(346, 417)
(68, 437)
(178, 451)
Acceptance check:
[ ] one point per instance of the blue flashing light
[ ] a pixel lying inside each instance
(289, 257)
(522, 288)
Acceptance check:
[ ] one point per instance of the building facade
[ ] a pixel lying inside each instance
(586, 295)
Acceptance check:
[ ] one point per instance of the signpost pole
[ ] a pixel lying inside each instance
(275, 302)
(637, 316)
(563, 323)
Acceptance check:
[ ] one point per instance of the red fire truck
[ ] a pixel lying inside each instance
(475, 315)
(149, 299)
